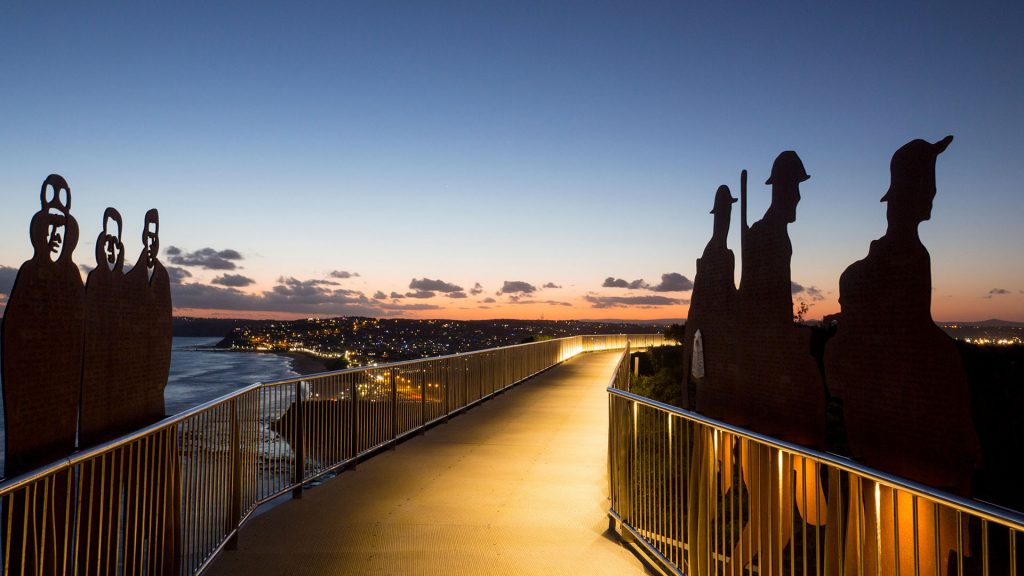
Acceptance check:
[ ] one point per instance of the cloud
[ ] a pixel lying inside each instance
(420, 294)
(623, 301)
(295, 296)
(396, 296)
(815, 293)
(795, 288)
(233, 280)
(378, 295)
(517, 287)
(177, 275)
(457, 295)
(997, 292)
(547, 302)
(673, 282)
(488, 300)
(551, 285)
(426, 284)
(611, 282)
(476, 289)
(7, 276)
(289, 281)
(343, 274)
(206, 258)
(400, 307)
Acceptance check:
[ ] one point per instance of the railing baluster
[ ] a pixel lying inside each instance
(300, 442)
(235, 513)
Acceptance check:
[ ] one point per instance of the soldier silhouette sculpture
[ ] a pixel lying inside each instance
(779, 379)
(149, 290)
(42, 339)
(710, 367)
(42, 367)
(107, 409)
(107, 406)
(149, 296)
(779, 382)
(713, 313)
(905, 397)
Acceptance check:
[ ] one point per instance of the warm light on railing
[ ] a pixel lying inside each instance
(168, 498)
(698, 496)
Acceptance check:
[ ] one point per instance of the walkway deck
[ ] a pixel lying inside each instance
(517, 485)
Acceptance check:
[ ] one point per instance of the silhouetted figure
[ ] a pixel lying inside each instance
(903, 387)
(111, 402)
(709, 363)
(42, 339)
(149, 291)
(42, 371)
(108, 408)
(150, 300)
(712, 312)
(779, 383)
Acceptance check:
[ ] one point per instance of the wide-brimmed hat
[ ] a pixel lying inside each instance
(787, 168)
(723, 199)
(913, 159)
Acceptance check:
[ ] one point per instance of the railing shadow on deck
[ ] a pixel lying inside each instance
(168, 498)
(697, 496)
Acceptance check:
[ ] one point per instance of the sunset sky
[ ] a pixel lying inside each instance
(506, 160)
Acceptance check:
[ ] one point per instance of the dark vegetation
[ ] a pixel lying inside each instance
(995, 375)
(675, 332)
(536, 338)
(660, 374)
(336, 364)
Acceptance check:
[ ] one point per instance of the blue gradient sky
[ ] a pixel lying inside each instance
(492, 142)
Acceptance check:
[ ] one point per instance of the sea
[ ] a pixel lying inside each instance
(200, 373)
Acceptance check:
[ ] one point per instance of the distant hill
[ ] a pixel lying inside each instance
(211, 327)
(655, 322)
(991, 323)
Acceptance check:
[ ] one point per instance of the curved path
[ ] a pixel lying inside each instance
(517, 485)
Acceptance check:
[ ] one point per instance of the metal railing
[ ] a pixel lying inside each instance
(168, 498)
(700, 497)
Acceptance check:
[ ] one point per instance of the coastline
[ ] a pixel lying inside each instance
(303, 364)
(300, 363)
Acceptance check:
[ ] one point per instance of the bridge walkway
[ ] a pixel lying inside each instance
(516, 485)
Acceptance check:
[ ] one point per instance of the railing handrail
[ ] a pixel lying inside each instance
(354, 369)
(10, 484)
(991, 512)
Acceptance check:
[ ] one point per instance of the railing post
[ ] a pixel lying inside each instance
(423, 399)
(447, 381)
(394, 409)
(354, 430)
(235, 510)
(300, 443)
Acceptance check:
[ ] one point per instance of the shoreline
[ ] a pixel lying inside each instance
(300, 363)
(303, 364)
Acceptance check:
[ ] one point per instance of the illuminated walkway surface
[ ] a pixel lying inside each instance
(517, 485)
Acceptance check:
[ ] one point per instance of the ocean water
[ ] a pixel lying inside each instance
(198, 375)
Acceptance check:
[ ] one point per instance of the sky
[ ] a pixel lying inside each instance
(508, 159)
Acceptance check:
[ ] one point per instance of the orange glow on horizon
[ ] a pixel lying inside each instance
(943, 310)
